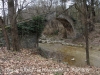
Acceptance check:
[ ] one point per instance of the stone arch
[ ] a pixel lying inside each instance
(68, 24)
(67, 21)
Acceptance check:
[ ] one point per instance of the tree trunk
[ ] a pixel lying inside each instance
(12, 18)
(15, 37)
(86, 32)
(92, 11)
(5, 33)
(3, 11)
(37, 38)
(2, 22)
(92, 14)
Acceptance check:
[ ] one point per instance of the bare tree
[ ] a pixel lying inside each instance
(12, 18)
(2, 24)
(83, 10)
(93, 14)
(85, 14)
(3, 10)
(63, 4)
(13, 12)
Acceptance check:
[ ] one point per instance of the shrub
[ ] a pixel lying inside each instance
(34, 26)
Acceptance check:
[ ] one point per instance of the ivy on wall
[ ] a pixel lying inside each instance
(36, 25)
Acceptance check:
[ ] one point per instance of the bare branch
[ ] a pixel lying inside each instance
(78, 8)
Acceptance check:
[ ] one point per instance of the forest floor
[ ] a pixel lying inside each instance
(70, 48)
(66, 53)
(27, 62)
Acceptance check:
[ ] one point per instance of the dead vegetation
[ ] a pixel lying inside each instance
(27, 62)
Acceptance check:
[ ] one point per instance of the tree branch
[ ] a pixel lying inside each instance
(78, 8)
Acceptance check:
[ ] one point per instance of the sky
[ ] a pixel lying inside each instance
(27, 1)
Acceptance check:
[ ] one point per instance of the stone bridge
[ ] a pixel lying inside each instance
(67, 21)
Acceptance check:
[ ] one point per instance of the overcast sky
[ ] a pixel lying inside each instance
(27, 1)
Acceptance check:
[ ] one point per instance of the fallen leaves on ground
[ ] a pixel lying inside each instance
(27, 62)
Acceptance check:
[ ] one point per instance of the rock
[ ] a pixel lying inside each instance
(43, 37)
(48, 41)
(73, 59)
(43, 41)
(40, 41)
(63, 43)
